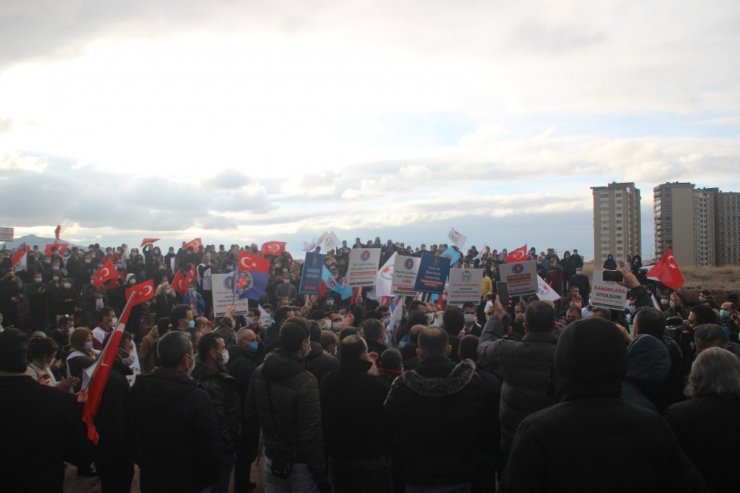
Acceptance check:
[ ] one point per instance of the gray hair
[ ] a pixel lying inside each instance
(710, 333)
(171, 347)
(715, 371)
(242, 333)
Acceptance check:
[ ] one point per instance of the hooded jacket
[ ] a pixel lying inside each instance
(222, 390)
(177, 441)
(320, 363)
(297, 420)
(592, 440)
(435, 412)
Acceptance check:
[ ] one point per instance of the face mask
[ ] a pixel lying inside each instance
(191, 324)
(128, 360)
(673, 304)
(386, 321)
(225, 357)
(329, 302)
(724, 314)
(88, 345)
(430, 318)
(37, 280)
(325, 324)
(67, 285)
(579, 272)
(253, 346)
(665, 302)
(114, 322)
(54, 267)
(469, 318)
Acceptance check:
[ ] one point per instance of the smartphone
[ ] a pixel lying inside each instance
(612, 276)
(502, 289)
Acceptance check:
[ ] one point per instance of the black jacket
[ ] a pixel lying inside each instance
(42, 429)
(352, 412)
(435, 412)
(525, 368)
(111, 421)
(242, 364)
(295, 397)
(222, 390)
(320, 363)
(592, 440)
(708, 430)
(176, 439)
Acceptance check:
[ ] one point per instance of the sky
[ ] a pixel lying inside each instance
(249, 121)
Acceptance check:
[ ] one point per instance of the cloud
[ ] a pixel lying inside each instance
(228, 179)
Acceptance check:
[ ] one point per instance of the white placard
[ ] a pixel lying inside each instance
(363, 266)
(521, 277)
(405, 270)
(607, 294)
(223, 296)
(464, 285)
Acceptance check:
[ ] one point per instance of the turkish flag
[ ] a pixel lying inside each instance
(57, 231)
(99, 379)
(20, 252)
(105, 273)
(147, 241)
(61, 248)
(250, 262)
(144, 291)
(667, 271)
(518, 255)
(195, 244)
(181, 282)
(273, 248)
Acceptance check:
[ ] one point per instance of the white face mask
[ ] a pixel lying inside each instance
(225, 357)
(430, 318)
(325, 324)
(114, 322)
(128, 360)
(88, 345)
(469, 318)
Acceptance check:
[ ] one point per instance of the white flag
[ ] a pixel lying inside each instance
(309, 246)
(328, 241)
(545, 292)
(384, 278)
(457, 238)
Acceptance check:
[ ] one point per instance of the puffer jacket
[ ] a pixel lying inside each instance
(222, 390)
(297, 421)
(648, 366)
(435, 413)
(525, 369)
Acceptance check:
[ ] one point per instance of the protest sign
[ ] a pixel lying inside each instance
(384, 278)
(464, 285)
(457, 238)
(363, 266)
(405, 270)
(432, 275)
(6, 234)
(223, 294)
(545, 291)
(606, 294)
(521, 277)
(311, 275)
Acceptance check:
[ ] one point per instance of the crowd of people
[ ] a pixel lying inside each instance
(360, 394)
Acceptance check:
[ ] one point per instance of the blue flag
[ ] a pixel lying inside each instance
(332, 284)
(453, 256)
(249, 285)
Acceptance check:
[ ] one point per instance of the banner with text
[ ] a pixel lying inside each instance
(607, 294)
(405, 269)
(521, 277)
(311, 275)
(223, 294)
(363, 266)
(433, 272)
(464, 286)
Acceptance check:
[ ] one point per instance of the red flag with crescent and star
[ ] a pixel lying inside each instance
(148, 241)
(251, 262)
(105, 273)
(61, 248)
(667, 271)
(273, 248)
(181, 282)
(195, 244)
(144, 291)
(518, 255)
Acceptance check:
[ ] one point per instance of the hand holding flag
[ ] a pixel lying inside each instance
(105, 273)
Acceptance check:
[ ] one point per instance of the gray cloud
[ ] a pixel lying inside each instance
(549, 38)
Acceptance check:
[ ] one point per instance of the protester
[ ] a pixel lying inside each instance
(706, 425)
(41, 425)
(283, 400)
(41, 356)
(176, 439)
(555, 450)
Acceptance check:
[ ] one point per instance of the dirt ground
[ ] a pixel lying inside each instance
(77, 484)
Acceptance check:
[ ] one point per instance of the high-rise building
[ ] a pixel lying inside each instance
(616, 221)
(728, 228)
(700, 225)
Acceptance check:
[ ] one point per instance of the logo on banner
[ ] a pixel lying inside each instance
(436, 261)
(518, 268)
(409, 264)
(385, 273)
(467, 276)
(365, 255)
(244, 282)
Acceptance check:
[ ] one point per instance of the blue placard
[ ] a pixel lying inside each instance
(433, 272)
(311, 276)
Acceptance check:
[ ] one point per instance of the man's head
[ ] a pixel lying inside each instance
(283, 313)
(352, 348)
(246, 338)
(468, 348)
(433, 342)
(600, 312)
(294, 337)
(174, 351)
(714, 372)
(572, 314)
(702, 314)
(391, 362)
(181, 317)
(453, 321)
(13, 351)
(710, 335)
(649, 321)
(373, 330)
(211, 349)
(539, 317)
(329, 341)
(105, 316)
